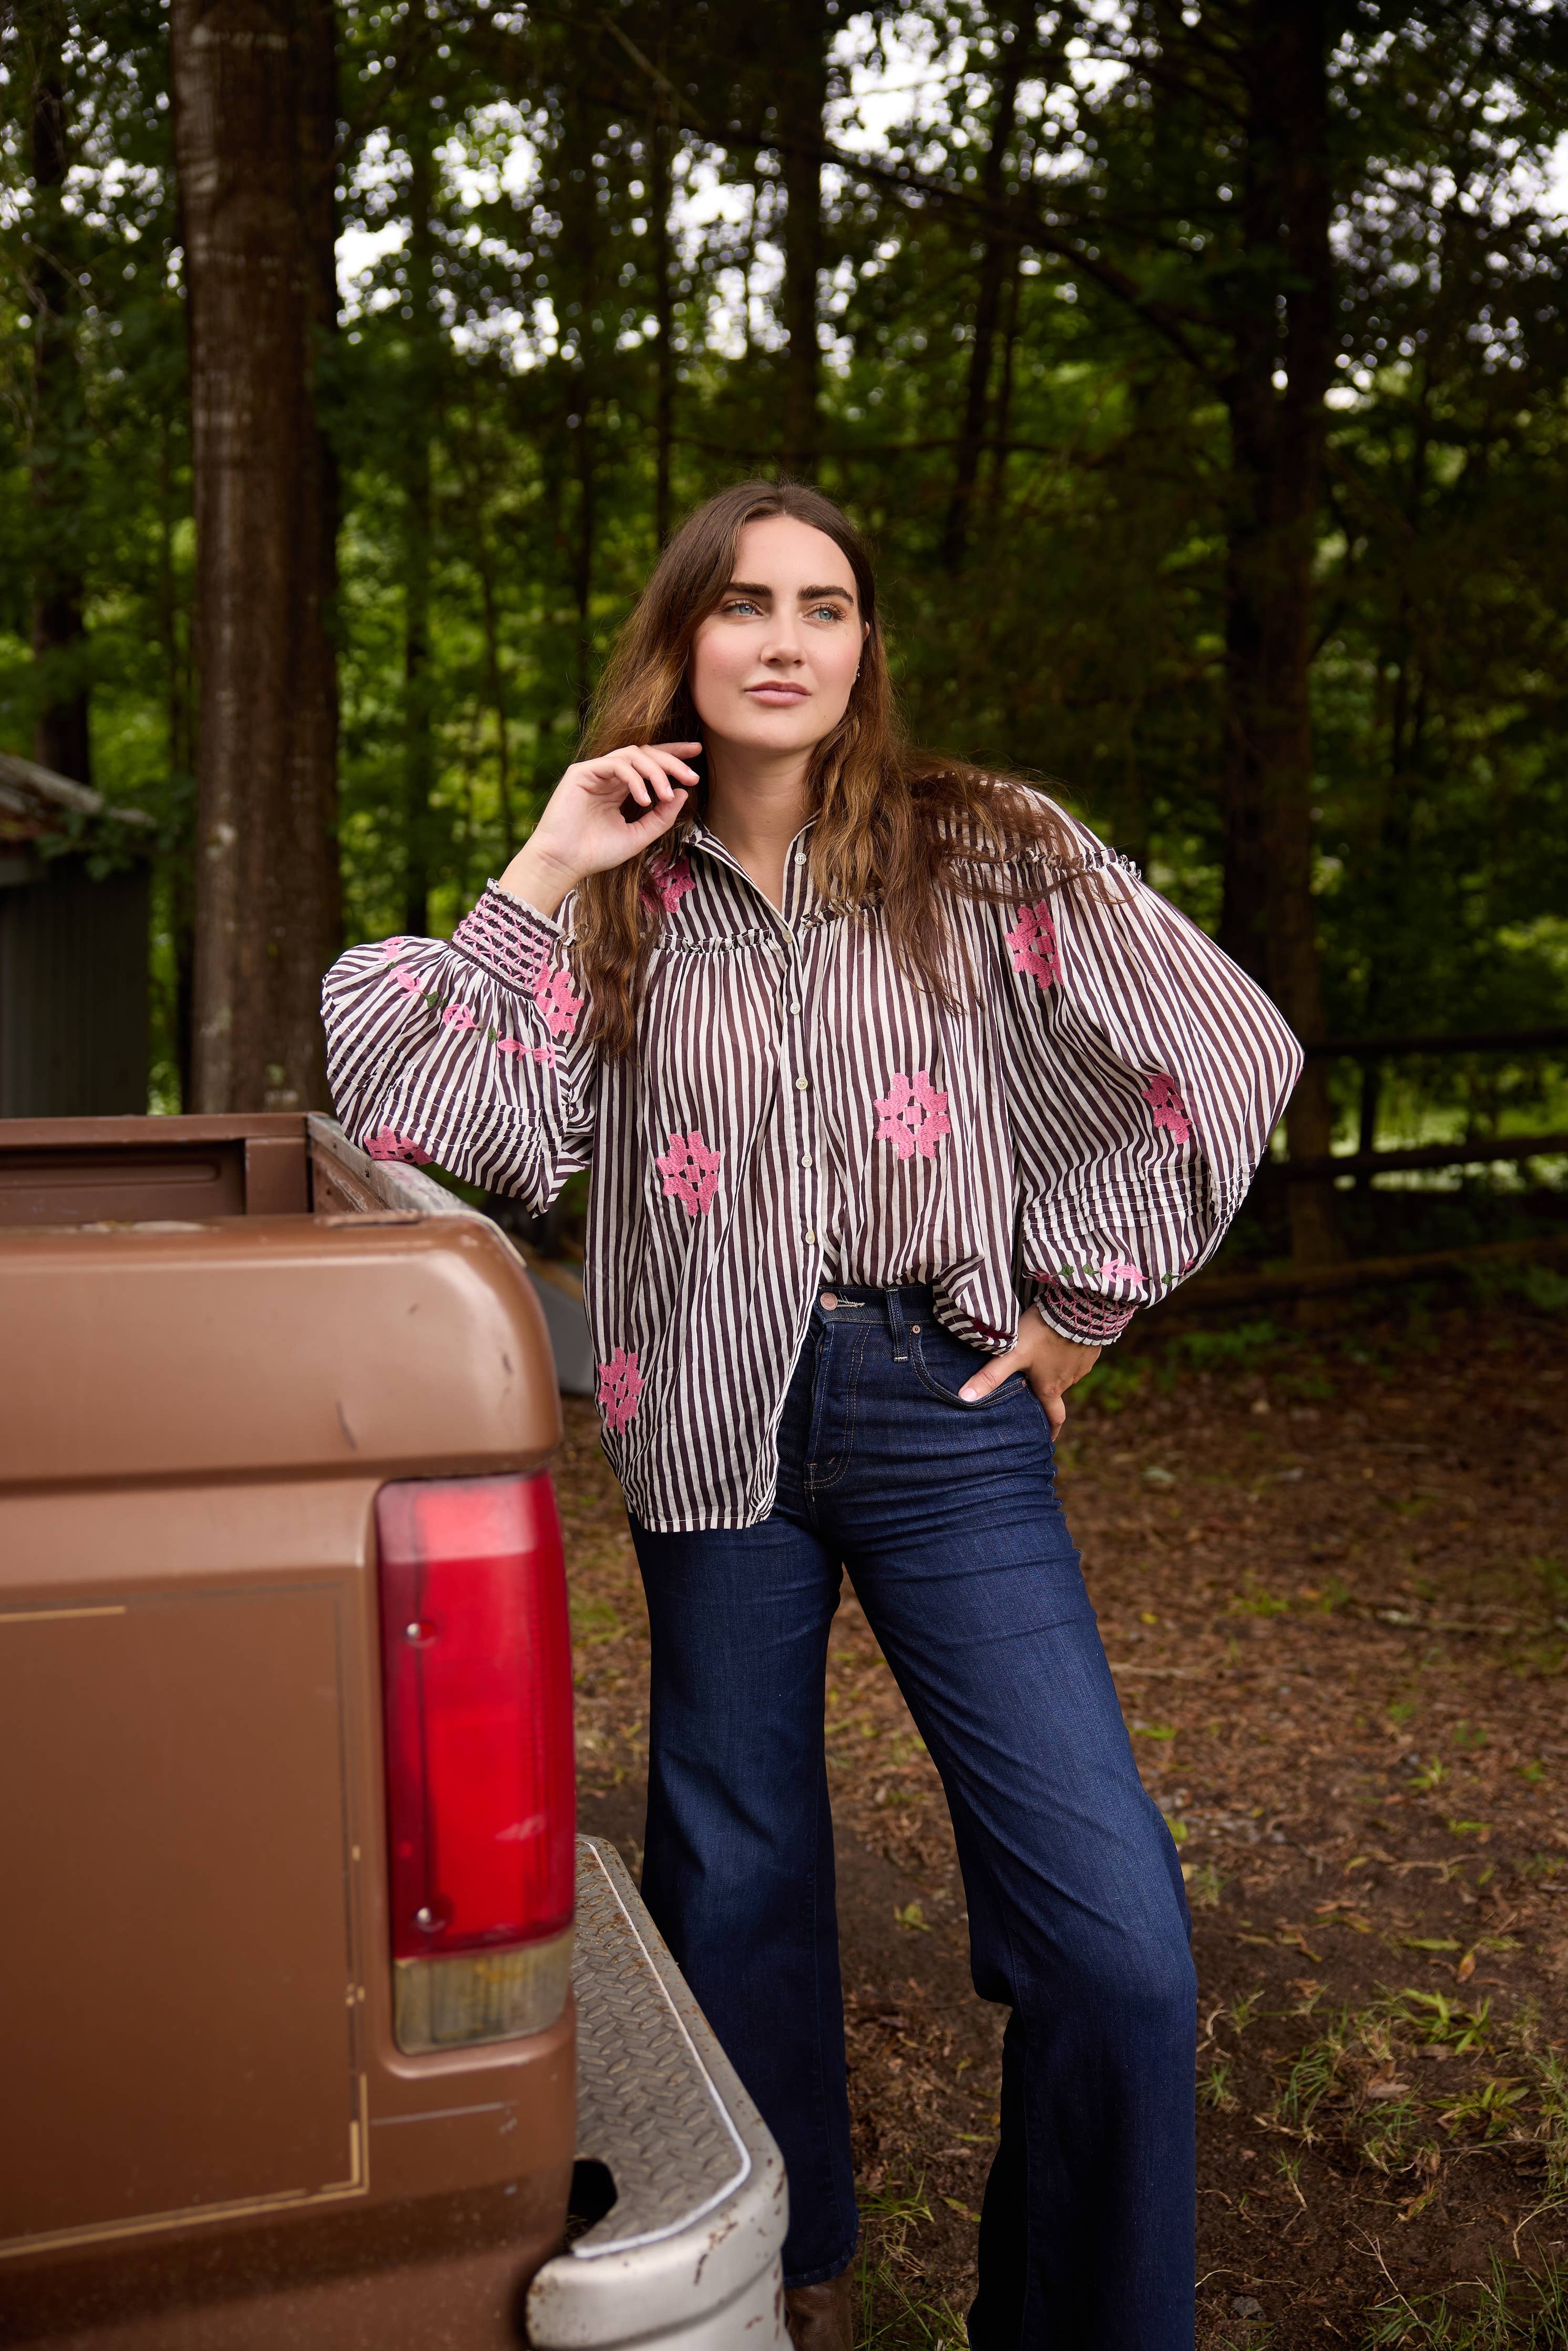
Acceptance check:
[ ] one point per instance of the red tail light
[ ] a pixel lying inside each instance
(476, 1667)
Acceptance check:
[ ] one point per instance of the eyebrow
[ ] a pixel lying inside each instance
(755, 588)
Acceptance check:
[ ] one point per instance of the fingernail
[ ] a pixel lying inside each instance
(965, 1395)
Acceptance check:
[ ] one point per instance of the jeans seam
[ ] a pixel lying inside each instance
(815, 1486)
(822, 2134)
(823, 1344)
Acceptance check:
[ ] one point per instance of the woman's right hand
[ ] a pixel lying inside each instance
(582, 830)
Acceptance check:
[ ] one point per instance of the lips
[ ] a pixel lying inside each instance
(778, 697)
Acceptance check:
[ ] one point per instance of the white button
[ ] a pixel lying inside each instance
(810, 1237)
(802, 1084)
(805, 1159)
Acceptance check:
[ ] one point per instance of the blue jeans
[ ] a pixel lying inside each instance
(946, 1517)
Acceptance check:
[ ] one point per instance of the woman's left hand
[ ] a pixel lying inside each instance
(1051, 1365)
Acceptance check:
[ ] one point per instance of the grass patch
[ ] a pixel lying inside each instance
(1112, 1386)
(1509, 2310)
(1401, 2086)
(1205, 1883)
(895, 2313)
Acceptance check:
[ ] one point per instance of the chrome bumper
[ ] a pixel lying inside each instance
(688, 2258)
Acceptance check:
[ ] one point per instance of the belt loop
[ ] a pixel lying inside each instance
(896, 1322)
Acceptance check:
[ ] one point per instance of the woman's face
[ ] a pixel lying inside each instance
(772, 667)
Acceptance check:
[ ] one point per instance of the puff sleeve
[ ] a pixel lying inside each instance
(1145, 1075)
(470, 1054)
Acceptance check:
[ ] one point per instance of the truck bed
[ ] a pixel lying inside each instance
(225, 1339)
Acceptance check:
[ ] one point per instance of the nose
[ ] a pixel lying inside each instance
(782, 646)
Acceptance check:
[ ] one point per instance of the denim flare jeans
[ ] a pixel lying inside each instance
(947, 1517)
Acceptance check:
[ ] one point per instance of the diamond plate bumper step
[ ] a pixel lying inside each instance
(688, 2258)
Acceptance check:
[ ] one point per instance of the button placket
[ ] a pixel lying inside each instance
(793, 1010)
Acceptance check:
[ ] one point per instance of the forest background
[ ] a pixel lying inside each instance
(1197, 370)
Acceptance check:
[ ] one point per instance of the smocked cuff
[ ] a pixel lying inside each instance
(512, 940)
(1081, 1314)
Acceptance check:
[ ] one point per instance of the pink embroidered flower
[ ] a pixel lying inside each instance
(389, 1144)
(668, 884)
(552, 994)
(1116, 1269)
(1033, 943)
(913, 1115)
(458, 1016)
(392, 948)
(1162, 1099)
(619, 1389)
(690, 1170)
(545, 1053)
(409, 981)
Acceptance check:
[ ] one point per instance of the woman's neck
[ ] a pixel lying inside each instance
(757, 808)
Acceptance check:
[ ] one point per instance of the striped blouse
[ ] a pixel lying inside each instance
(1077, 1134)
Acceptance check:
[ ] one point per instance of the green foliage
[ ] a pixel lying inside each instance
(533, 370)
(1213, 1350)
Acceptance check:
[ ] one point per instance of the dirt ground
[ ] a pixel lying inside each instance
(1331, 1568)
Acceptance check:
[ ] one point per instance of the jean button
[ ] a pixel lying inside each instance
(828, 1300)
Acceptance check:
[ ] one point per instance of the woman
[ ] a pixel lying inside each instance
(899, 1095)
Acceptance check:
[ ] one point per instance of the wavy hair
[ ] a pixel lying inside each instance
(896, 828)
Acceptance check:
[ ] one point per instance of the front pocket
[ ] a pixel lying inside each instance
(950, 1364)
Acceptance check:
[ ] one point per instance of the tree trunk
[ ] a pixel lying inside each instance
(582, 555)
(1002, 410)
(1277, 434)
(582, 276)
(802, 83)
(60, 735)
(422, 391)
(997, 259)
(254, 125)
(1396, 830)
(660, 137)
(181, 868)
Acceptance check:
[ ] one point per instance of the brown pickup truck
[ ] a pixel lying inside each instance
(294, 1906)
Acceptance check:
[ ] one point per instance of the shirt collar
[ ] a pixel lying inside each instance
(702, 836)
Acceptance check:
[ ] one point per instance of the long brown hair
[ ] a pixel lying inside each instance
(896, 828)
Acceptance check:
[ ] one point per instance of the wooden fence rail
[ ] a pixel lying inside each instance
(1479, 1152)
(1483, 1040)
(1210, 1292)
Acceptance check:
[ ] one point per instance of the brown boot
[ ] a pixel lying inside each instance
(822, 2317)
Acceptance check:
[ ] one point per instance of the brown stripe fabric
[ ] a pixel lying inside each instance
(1076, 1134)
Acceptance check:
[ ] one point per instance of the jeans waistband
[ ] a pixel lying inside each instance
(857, 1302)
(854, 1303)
